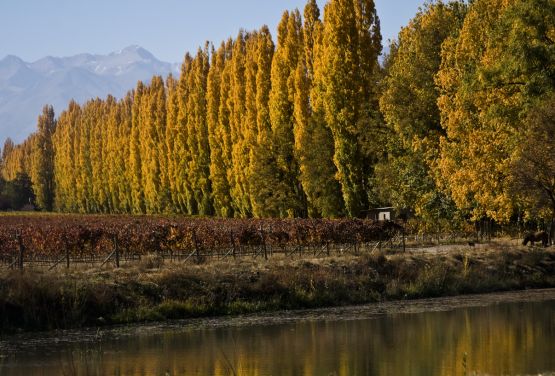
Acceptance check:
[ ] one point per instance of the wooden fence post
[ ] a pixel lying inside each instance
(197, 249)
(116, 250)
(232, 243)
(271, 250)
(21, 250)
(403, 234)
(263, 243)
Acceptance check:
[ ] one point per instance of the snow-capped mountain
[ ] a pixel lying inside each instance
(26, 87)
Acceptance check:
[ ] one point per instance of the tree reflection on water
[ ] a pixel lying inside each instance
(507, 339)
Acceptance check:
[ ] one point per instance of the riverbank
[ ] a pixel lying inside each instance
(478, 328)
(153, 291)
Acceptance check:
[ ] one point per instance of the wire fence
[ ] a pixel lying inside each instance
(112, 254)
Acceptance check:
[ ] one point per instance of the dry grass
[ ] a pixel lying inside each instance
(154, 289)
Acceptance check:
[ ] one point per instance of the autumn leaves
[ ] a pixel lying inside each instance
(313, 126)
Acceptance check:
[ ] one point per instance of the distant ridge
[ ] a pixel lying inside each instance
(26, 87)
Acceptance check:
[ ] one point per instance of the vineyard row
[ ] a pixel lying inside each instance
(94, 237)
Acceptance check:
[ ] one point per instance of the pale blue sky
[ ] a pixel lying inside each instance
(32, 29)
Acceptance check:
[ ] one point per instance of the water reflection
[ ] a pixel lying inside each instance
(503, 339)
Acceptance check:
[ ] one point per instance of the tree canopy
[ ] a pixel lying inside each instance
(454, 122)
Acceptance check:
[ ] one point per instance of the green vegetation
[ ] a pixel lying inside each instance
(152, 290)
(17, 193)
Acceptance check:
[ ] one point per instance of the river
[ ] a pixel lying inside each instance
(494, 334)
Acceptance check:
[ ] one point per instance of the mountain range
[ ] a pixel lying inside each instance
(26, 87)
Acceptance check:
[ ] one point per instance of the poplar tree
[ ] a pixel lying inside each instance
(249, 123)
(18, 161)
(111, 156)
(172, 134)
(218, 173)
(43, 160)
(98, 153)
(351, 45)
(288, 194)
(63, 141)
(83, 184)
(114, 142)
(135, 158)
(197, 142)
(7, 150)
(237, 175)
(60, 143)
(263, 167)
(153, 146)
(223, 168)
(313, 139)
(124, 116)
(93, 118)
(182, 152)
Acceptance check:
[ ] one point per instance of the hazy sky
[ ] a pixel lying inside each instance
(32, 29)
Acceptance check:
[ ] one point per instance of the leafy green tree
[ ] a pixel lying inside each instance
(4, 202)
(18, 192)
(499, 65)
(533, 168)
(409, 104)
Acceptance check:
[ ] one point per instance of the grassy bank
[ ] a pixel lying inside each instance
(150, 290)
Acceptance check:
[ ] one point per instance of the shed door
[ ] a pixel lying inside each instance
(384, 216)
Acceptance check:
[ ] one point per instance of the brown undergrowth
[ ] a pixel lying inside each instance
(153, 290)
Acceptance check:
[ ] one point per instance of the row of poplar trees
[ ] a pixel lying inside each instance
(248, 129)
(314, 126)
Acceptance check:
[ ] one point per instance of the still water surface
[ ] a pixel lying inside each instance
(501, 334)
